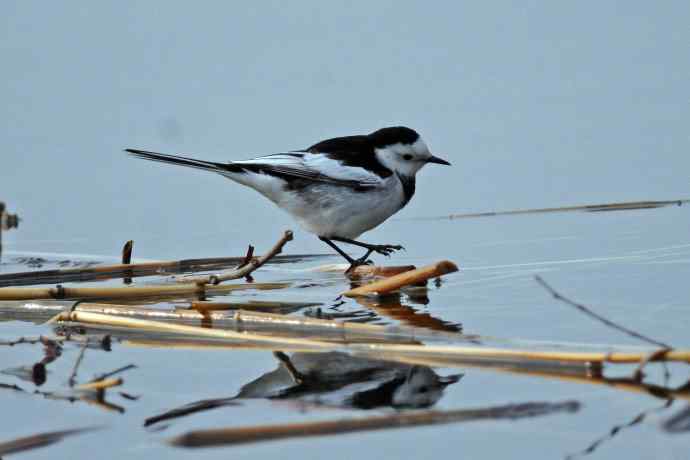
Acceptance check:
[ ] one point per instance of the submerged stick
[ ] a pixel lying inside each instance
(404, 279)
(589, 312)
(246, 268)
(73, 375)
(241, 435)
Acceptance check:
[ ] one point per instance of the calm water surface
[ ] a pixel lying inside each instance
(631, 266)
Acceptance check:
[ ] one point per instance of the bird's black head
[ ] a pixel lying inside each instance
(393, 135)
(402, 150)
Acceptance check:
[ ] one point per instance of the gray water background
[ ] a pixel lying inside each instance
(536, 104)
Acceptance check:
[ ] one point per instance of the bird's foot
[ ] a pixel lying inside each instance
(385, 249)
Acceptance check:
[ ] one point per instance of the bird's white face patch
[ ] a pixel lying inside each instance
(404, 159)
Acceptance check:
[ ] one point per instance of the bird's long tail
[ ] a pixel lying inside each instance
(177, 160)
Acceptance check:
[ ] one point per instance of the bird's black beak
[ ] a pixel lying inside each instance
(450, 379)
(437, 160)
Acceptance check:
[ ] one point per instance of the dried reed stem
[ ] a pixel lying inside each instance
(138, 292)
(246, 268)
(622, 206)
(380, 350)
(589, 312)
(141, 324)
(407, 278)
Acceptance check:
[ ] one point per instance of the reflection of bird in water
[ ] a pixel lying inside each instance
(334, 380)
(338, 379)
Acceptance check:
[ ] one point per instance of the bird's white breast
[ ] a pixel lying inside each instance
(332, 210)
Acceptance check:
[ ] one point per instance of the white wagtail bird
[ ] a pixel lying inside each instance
(338, 188)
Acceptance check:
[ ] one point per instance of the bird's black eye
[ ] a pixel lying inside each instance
(407, 157)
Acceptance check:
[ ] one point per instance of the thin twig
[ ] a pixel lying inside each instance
(116, 371)
(248, 258)
(73, 376)
(244, 270)
(623, 206)
(556, 295)
(127, 259)
(639, 418)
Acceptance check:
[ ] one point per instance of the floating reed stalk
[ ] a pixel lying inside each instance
(102, 272)
(137, 292)
(622, 206)
(242, 435)
(278, 325)
(159, 326)
(407, 278)
(449, 354)
(458, 353)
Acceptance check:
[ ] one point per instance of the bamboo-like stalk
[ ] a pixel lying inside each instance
(241, 435)
(244, 270)
(383, 350)
(283, 325)
(136, 292)
(278, 325)
(450, 353)
(141, 324)
(404, 279)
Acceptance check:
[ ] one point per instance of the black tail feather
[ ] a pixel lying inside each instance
(177, 160)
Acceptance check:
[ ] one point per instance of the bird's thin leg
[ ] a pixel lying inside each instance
(337, 249)
(385, 249)
(354, 263)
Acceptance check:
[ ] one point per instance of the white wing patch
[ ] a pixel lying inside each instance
(313, 166)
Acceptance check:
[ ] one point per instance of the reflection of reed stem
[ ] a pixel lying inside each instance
(229, 436)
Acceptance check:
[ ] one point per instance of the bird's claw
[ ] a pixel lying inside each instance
(386, 249)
